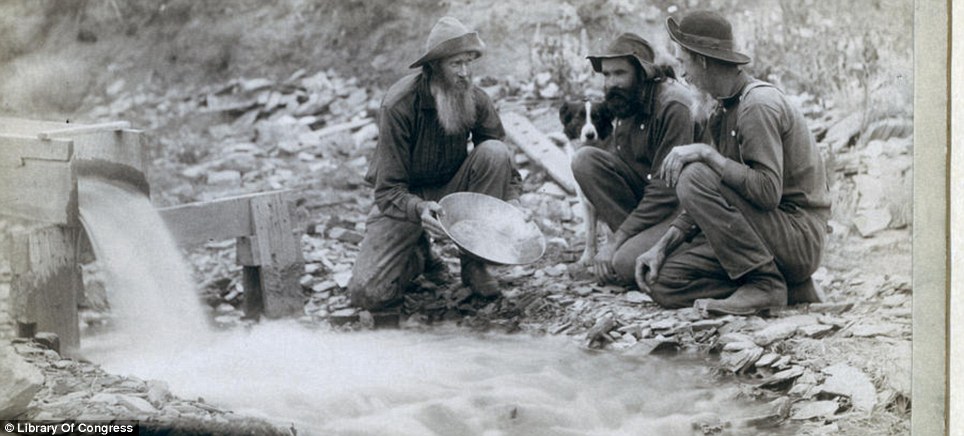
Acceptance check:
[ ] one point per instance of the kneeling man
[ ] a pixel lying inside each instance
(425, 123)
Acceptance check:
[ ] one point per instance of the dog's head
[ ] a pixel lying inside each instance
(572, 114)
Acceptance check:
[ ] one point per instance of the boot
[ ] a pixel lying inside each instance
(806, 292)
(436, 271)
(764, 288)
(476, 276)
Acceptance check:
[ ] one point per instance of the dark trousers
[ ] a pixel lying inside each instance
(615, 189)
(394, 251)
(736, 238)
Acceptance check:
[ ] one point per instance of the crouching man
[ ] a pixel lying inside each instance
(755, 202)
(652, 115)
(425, 123)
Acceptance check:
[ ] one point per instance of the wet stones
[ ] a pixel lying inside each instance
(19, 383)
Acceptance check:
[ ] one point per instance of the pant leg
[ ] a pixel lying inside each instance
(487, 170)
(609, 184)
(624, 259)
(744, 236)
(689, 273)
(392, 254)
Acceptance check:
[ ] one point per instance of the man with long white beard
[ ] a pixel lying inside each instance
(425, 123)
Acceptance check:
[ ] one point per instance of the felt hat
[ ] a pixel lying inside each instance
(708, 34)
(627, 45)
(449, 37)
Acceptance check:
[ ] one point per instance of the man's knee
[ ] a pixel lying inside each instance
(493, 152)
(370, 295)
(585, 162)
(695, 179)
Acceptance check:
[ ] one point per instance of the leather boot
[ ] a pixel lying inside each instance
(763, 288)
(436, 271)
(476, 276)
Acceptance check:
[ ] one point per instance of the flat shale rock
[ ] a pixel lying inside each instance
(813, 409)
(782, 328)
(19, 382)
(850, 382)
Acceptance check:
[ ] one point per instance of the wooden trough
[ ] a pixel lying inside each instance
(267, 248)
(40, 163)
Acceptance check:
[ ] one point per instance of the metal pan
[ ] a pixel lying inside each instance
(491, 229)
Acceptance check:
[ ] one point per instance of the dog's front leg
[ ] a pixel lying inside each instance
(591, 223)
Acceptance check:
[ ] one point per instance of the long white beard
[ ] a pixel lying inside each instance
(455, 107)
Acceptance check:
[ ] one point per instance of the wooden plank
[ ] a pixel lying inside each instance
(278, 252)
(197, 223)
(540, 149)
(38, 190)
(76, 129)
(24, 127)
(44, 289)
(14, 149)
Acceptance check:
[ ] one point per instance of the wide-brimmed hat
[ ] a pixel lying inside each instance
(449, 37)
(631, 45)
(708, 34)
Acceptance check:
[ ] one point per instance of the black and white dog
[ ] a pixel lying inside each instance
(586, 124)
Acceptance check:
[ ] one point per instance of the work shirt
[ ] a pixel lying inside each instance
(772, 159)
(642, 141)
(414, 151)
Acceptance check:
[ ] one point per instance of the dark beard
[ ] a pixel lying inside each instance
(623, 102)
(454, 104)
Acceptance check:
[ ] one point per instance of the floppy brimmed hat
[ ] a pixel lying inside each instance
(631, 45)
(708, 34)
(449, 37)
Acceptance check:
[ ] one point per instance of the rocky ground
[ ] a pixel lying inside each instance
(839, 367)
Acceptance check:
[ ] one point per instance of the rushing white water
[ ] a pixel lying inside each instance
(447, 381)
(150, 289)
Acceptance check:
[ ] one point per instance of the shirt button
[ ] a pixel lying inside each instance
(642, 127)
(732, 132)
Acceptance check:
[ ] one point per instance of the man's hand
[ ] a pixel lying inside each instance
(427, 211)
(602, 264)
(647, 267)
(680, 156)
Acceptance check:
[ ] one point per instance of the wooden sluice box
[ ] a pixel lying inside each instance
(40, 163)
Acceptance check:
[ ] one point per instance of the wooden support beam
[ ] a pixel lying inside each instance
(540, 149)
(279, 254)
(198, 223)
(39, 190)
(46, 283)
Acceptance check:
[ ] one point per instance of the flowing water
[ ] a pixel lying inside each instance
(443, 381)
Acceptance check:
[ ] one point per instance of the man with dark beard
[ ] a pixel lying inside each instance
(425, 123)
(653, 115)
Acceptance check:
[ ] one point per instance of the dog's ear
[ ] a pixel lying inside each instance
(565, 113)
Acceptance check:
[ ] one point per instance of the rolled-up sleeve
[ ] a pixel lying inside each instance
(759, 177)
(659, 199)
(391, 186)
